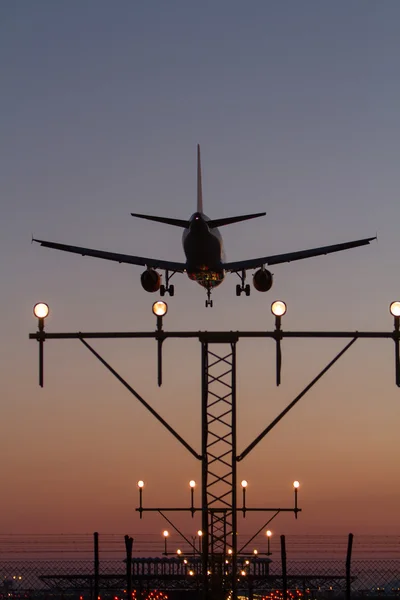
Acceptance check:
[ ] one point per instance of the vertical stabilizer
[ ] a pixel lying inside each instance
(199, 188)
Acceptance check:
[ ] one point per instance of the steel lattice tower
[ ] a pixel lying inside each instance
(219, 464)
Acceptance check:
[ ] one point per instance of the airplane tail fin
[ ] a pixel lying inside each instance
(199, 186)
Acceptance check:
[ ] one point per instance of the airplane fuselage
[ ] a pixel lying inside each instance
(204, 253)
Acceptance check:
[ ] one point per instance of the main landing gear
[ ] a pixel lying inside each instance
(167, 288)
(242, 287)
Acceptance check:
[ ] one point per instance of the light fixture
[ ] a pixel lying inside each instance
(268, 534)
(140, 484)
(160, 308)
(395, 308)
(41, 310)
(244, 486)
(165, 534)
(278, 308)
(192, 485)
(296, 486)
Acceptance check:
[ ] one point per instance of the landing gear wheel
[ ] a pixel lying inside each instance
(247, 290)
(238, 290)
(171, 290)
(162, 290)
(209, 303)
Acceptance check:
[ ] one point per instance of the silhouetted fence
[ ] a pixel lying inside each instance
(180, 577)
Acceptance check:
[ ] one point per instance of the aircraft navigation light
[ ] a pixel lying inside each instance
(278, 308)
(395, 308)
(160, 308)
(41, 310)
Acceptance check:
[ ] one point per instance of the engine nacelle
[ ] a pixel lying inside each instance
(150, 280)
(262, 280)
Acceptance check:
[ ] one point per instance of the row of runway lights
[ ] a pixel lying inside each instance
(160, 308)
(192, 485)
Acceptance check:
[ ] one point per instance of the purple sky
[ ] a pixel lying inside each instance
(296, 108)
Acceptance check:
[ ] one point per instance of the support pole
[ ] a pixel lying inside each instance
(348, 566)
(96, 565)
(128, 548)
(284, 566)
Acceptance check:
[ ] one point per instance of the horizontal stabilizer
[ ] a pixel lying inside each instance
(167, 220)
(229, 220)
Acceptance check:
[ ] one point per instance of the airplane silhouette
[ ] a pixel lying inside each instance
(203, 248)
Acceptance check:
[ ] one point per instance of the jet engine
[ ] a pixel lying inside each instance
(150, 280)
(262, 280)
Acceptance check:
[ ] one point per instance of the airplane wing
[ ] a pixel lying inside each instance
(291, 256)
(154, 263)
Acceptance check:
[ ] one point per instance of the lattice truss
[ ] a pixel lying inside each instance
(220, 446)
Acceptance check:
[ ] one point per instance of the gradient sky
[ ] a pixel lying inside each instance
(296, 108)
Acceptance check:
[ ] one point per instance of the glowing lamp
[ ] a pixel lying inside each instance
(296, 485)
(140, 484)
(278, 308)
(160, 308)
(41, 310)
(192, 483)
(244, 483)
(395, 308)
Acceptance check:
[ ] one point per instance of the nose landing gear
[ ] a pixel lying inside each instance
(209, 302)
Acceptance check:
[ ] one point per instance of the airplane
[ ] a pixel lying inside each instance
(203, 248)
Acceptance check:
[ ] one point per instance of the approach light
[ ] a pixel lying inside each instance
(192, 483)
(41, 310)
(140, 484)
(395, 308)
(160, 308)
(244, 483)
(296, 485)
(278, 308)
